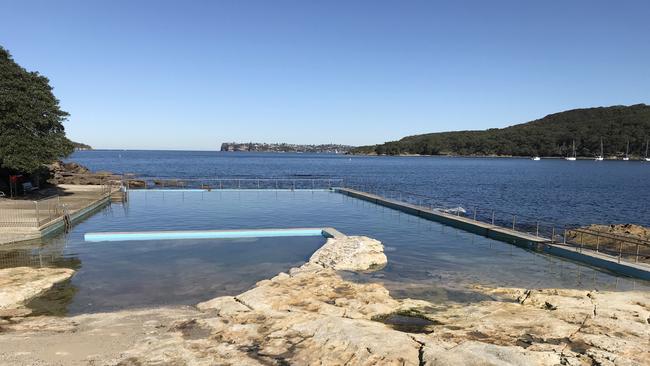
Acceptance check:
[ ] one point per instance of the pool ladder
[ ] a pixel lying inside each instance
(67, 221)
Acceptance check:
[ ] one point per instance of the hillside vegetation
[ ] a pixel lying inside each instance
(552, 135)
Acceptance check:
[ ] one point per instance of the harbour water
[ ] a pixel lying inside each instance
(554, 190)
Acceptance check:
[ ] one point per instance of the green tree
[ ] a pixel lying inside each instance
(31, 121)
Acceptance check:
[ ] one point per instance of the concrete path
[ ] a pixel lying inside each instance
(26, 219)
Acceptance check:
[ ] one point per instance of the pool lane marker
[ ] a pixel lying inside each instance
(209, 234)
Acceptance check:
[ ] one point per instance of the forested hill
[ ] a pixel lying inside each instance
(552, 135)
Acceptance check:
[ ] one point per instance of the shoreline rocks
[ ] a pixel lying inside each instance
(311, 315)
(18, 285)
(355, 253)
(77, 174)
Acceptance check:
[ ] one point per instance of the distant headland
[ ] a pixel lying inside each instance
(621, 130)
(282, 147)
(79, 146)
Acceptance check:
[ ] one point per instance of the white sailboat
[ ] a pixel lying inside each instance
(572, 158)
(627, 151)
(536, 158)
(600, 157)
(647, 142)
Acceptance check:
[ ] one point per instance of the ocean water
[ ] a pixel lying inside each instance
(553, 190)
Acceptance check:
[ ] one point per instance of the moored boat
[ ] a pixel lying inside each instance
(601, 156)
(572, 158)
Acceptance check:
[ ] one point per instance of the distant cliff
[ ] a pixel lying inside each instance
(552, 135)
(278, 147)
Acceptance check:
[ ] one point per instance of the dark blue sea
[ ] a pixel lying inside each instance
(553, 190)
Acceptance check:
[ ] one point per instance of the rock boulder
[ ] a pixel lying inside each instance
(18, 285)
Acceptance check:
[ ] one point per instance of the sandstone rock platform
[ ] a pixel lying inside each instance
(18, 285)
(312, 316)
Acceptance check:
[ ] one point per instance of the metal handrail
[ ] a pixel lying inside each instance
(471, 210)
(603, 246)
(137, 182)
(617, 237)
(230, 179)
(555, 233)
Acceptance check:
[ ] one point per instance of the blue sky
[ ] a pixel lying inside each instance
(193, 74)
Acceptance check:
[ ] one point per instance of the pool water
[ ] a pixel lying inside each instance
(425, 259)
(131, 274)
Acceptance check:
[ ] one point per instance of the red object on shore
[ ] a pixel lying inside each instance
(14, 178)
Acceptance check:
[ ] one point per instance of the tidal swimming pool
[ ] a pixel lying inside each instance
(425, 259)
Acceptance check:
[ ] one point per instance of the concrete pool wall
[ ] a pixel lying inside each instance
(540, 244)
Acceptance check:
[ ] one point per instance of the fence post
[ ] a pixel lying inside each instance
(637, 254)
(514, 219)
(492, 217)
(597, 242)
(564, 236)
(581, 240)
(553, 235)
(620, 252)
(537, 230)
(38, 216)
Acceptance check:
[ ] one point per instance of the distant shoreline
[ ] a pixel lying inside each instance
(359, 155)
(498, 157)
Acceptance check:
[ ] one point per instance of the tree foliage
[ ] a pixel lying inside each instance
(31, 121)
(552, 135)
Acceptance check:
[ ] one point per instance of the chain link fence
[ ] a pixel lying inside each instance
(22, 213)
